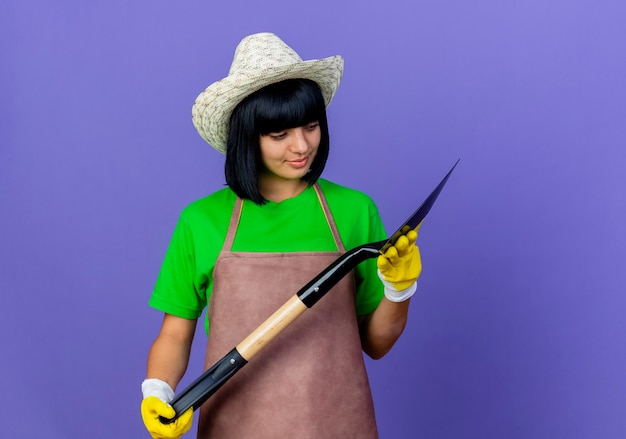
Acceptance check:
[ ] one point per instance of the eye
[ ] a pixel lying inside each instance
(312, 126)
(278, 136)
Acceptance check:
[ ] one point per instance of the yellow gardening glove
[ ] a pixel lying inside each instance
(156, 397)
(400, 265)
(152, 407)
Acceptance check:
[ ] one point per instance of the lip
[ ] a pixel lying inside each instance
(299, 162)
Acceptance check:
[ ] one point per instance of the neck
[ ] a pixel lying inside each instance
(280, 190)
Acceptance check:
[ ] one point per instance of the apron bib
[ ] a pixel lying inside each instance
(310, 381)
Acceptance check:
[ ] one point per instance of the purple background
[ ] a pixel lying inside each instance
(518, 328)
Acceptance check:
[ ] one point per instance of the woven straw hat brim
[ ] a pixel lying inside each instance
(213, 107)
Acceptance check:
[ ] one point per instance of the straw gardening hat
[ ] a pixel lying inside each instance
(260, 60)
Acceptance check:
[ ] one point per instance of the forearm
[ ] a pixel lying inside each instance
(381, 329)
(167, 361)
(169, 354)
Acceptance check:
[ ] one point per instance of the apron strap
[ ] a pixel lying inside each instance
(329, 218)
(232, 226)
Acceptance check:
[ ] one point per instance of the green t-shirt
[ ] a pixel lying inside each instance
(297, 224)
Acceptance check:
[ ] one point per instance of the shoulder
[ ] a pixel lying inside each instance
(341, 195)
(349, 206)
(212, 208)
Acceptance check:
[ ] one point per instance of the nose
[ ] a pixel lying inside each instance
(299, 142)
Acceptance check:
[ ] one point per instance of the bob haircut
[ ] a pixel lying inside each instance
(287, 104)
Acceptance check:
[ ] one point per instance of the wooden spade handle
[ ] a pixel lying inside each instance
(271, 327)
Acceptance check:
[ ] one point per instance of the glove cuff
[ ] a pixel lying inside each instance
(394, 295)
(158, 388)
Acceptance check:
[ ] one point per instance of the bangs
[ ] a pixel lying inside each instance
(288, 104)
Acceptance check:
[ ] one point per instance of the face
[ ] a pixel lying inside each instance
(288, 154)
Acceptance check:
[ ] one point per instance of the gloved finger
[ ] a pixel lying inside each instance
(391, 254)
(402, 243)
(165, 410)
(412, 236)
(406, 245)
(184, 422)
(155, 407)
(383, 264)
(179, 427)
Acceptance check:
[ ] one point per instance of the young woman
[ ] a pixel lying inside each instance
(241, 252)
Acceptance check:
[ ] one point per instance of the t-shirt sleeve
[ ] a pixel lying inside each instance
(177, 290)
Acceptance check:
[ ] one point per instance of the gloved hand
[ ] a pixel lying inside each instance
(157, 395)
(400, 266)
